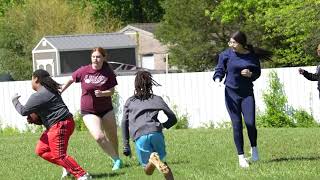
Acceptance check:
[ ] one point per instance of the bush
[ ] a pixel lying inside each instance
(116, 105)
(278, 119)
(115, 102)
(9, 131)
(34, 128)
(278, 113)
(276, 103)
(182, 119)
(303, 119)
(79, 123)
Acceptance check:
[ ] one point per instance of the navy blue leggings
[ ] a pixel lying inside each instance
(240, 103)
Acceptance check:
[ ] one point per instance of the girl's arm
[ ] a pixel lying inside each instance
(220, 69)
(256, 72)
(33, 103)
(105, 93)
(66, 85)
(311, 76)
(125, 130)
(172, 119)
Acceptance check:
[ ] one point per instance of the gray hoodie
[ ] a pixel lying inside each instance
(140, 117)
(49, 107)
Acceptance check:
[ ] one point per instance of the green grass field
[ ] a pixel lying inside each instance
(192, 154)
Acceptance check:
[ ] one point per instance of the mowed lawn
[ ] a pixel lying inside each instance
(192, 154)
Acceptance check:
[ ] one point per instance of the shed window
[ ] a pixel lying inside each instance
(148, 61)
(49, 69)
(46, 64)
(44, 43)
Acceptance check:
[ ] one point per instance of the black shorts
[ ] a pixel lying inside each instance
(100, 114)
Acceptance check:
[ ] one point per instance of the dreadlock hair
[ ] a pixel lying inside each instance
(46, 81)
(241, 38)
(143, 85)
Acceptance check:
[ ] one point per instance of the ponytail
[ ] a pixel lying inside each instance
(261, 54)
(46, 81)
(241, 38)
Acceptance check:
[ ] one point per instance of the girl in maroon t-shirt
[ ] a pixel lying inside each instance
(97, 83)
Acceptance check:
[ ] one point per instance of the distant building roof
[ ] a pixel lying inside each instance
(89, 41)
(5, 77)
(150, 27)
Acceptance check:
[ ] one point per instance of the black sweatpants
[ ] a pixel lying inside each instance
(238, 103)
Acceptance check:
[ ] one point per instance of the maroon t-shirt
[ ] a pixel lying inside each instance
(92, 80)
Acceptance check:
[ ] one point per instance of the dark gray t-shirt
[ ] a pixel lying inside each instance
(49, 106)
(140, 117)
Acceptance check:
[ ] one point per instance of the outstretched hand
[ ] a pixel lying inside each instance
(301, 71)
(127, 151)
(218, 82)
(15, 96)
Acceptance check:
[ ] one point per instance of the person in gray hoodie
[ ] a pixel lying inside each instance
(48, 104)
(312, 76)
(140, 122)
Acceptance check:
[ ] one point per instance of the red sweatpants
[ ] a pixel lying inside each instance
(53, 145)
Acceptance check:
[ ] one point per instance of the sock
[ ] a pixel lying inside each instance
(114, 159)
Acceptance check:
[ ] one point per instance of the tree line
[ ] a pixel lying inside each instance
(195, 30)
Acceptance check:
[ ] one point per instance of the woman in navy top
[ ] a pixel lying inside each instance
(241, 65)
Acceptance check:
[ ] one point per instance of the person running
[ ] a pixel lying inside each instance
(47, 103)
(312, 76)
(241, 65)
(97, 83)
(140, 122)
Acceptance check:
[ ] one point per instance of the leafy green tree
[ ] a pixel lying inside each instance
(287, 27)
(24, 25)
(15, 65)
(193, 40)
(127, 11)
(7, 4)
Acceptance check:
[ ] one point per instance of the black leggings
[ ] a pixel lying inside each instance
(100, 114)
(240, 103)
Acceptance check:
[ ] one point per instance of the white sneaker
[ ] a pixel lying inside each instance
(254, 154)
(243, 162)
(155, 160)
(85, 177)
(65, 173)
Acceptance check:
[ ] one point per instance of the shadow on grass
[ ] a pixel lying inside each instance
(294, 159)
(104, 175)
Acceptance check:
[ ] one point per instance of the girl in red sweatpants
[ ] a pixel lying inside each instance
(47, 103)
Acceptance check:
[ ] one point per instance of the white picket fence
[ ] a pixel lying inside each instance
(194, 94)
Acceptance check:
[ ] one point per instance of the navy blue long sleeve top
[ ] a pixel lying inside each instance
(312, 77)
(231, 64)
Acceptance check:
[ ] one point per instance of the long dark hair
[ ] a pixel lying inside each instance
(46, 81)
(143, 85)
(241, 38)
(104, 54)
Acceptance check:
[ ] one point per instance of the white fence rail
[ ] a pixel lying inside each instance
(194, 94)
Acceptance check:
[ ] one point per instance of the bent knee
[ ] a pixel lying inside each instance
(99, 138)
(40, 151)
